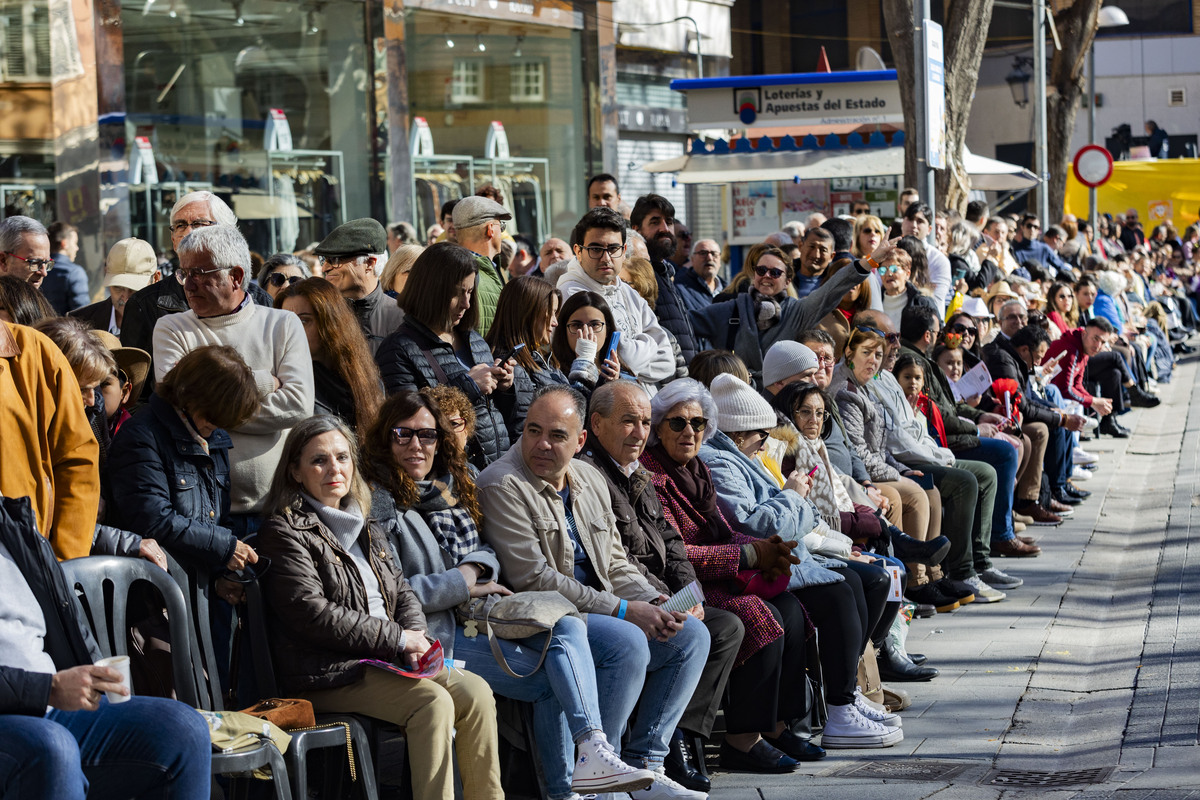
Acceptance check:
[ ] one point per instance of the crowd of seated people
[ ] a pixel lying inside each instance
(402, 430)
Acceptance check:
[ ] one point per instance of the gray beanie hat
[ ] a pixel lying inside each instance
(785, 359)
(739, 407)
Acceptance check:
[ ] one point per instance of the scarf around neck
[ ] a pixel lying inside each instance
(451, 524)
(695, 483)
(827, 493)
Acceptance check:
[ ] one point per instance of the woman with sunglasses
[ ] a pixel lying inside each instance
(345, 378)
(337, 596)
(280, 271)
(1061, 309)
(899, 292)
(582, 343)
(754, 320)
(963, 324)
(748, 570)
(426, 499)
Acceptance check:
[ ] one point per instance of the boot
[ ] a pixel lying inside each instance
(914, 551)
(895, 667)
(1141, 398)
(682, 764)
(1110, 427)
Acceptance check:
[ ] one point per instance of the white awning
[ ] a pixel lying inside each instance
(987, 174)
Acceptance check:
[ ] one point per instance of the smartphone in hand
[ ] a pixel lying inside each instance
(612, 345)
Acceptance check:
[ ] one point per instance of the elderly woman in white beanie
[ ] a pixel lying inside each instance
(725, 549)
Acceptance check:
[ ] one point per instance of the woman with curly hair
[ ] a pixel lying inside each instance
(425, 498)
(345, 377)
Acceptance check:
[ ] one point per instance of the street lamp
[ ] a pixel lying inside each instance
(1018, 80)
(640, 26)
(1109, 17)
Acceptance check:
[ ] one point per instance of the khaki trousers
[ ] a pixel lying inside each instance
(1029, 475)
(920, 518)
(431, 710)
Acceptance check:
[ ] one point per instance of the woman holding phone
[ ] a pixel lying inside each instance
(584, 343)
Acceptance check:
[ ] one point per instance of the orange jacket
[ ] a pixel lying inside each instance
(47, 450)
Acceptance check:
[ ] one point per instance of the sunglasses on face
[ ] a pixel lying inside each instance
(426, 436)
(958, 327)
(677, 424)
(769, 272)
(278, 279)
(891, 269)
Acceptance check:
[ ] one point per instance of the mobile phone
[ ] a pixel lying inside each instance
(510, 353)
(612, 345)
(813, 471)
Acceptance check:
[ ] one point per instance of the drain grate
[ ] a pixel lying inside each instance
(912, 769)
(1037, 779)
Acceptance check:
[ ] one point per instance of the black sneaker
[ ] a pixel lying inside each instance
(1074, 491)
(930, 594)
(961, 591)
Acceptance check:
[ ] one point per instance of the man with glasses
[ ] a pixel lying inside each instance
(349, 256)
(1025, 246)
(147, 306)
(479, 224)
(25, 250)
(698, 283)
(645, 350)
(213, 274)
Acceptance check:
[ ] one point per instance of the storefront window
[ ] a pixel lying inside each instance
(261, 101)
(466, 72)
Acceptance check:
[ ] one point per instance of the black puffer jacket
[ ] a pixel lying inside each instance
(320, 625)
(514, 403)
(671, 312)
(68, 640)
(403, 365)
(651, 543)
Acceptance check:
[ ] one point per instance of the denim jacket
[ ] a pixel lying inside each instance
(165, 487)
(750, 499)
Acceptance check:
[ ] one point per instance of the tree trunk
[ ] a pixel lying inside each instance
(964, 37)
(1065, 84)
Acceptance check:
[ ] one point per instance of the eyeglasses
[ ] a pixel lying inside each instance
(888, 270)
(826, 361)
(577, 326)
(458, 424)
(677, 424)
(958, 327)
(337, 261)
(278, 279)
(38, 264)
(182, 275)
(598, 251)
(195, 224)
(769, 272)
(890, 338)
(426, 436)
(812, 413)
(705, 253)
(502, 223)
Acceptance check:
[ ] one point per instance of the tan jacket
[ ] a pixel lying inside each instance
(524, 522)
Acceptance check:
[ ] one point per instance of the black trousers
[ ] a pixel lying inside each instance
(875, 584)
(726, 632)
(1108, 370)
(769, 687)
(839, 612)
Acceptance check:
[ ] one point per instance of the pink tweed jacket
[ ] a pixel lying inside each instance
(716, 564)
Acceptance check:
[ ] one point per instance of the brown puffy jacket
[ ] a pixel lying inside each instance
(319, 624)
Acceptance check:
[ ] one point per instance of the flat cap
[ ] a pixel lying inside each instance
(354, 237)
(472, 211)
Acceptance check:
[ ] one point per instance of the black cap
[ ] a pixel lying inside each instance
(356, 236)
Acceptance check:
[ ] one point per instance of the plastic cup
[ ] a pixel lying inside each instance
(121, 665)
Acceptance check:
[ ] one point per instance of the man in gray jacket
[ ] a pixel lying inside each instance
(352, 254)
(549, 518)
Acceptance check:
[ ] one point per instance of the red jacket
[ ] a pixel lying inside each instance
(1069, 380)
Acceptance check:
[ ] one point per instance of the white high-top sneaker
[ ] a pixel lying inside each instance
(598, 768)
(847, 728)
(876, 712)
(664, 788)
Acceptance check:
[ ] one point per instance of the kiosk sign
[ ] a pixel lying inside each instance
(837, 98)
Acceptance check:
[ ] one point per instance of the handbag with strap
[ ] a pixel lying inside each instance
(286, 713)
(514, 616)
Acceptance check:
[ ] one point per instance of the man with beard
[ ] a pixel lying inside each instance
(654, 218)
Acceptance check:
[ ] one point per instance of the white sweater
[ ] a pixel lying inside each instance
(273, 344)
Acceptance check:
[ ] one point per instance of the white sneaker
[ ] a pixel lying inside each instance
(983, 592)
(1080, 474)
(876, 712)
(1081, 457)
(847, 728)
(1089, 423)
(664, 788)
(598, 768)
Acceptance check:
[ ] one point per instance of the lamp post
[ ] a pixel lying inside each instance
(1039, 109)
(1018, 80)
(637, 27)
(1109, 17)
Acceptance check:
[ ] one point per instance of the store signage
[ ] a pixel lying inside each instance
(935, 95)
(496, 144)
(277, 136)
(838, 98)
(142, 169)
(420, 140)
(647, 118)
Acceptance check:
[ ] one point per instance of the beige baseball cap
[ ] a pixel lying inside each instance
(131, 264)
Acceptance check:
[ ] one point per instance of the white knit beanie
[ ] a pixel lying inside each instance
(739, 407)
(785, 359)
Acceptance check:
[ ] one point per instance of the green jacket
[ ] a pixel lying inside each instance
(487, 292)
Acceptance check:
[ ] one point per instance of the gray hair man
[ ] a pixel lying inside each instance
(214, 264)
(25, 250)
(698, 282)
(350, 256)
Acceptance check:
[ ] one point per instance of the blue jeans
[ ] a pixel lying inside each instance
(1003, 458)
(663, 675)
(566, 706)
(147, 747)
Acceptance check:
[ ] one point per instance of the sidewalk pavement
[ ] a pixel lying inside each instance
(1085, 682)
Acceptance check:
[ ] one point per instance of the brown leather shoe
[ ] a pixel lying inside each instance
(1027, 539)
(1062, 509)
(1039, 515)
(1015, 548)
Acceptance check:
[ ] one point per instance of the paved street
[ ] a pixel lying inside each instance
(1085, 683)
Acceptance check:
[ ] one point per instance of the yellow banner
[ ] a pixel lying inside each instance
(1162, 191)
